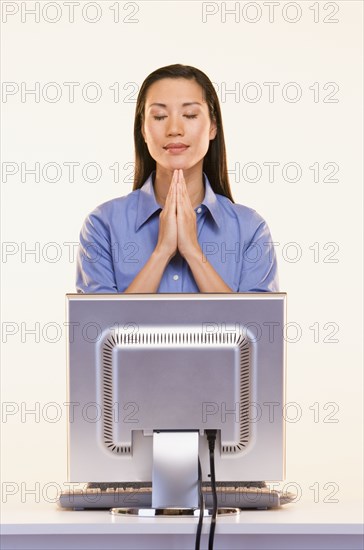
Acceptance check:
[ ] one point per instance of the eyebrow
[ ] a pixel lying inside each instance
(183, 104)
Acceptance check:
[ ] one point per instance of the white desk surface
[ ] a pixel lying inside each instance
(299, 523)
(299, 517)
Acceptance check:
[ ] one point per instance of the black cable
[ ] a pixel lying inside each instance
(211, 438)
(201, 504)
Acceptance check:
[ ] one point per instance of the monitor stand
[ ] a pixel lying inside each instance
(175, 483)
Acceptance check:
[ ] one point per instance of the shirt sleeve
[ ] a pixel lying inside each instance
(95, 268)
(259, 268)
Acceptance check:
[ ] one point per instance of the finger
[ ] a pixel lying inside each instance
(183, 183)
(181, 179)
(174, 192)
(173, 182)
(171, 190)
(183, 186)
(184, 193)
(178, 188)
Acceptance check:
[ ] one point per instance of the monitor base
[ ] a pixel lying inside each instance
(172, 512)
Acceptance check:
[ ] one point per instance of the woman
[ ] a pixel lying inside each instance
(179, 230)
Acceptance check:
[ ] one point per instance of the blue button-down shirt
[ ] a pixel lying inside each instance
(119, 236)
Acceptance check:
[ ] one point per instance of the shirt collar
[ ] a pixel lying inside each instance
(211, 202)
(148, 205)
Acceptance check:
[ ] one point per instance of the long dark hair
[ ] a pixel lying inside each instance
(214, 162)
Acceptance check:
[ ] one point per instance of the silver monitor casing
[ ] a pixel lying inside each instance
(175, 361)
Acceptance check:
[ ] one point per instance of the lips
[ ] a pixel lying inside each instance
(176, 146)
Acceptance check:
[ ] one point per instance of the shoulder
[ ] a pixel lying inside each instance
(244, 215)
(107, 211)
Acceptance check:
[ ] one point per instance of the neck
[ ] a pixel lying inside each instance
(194, 183)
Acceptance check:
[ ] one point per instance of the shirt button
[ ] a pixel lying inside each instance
(198, 210)
(175, 277)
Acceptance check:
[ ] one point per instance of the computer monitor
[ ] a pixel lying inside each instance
(145, 364)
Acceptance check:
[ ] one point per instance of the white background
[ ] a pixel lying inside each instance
(324, 290)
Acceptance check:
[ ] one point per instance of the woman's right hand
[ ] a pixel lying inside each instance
(167, 237)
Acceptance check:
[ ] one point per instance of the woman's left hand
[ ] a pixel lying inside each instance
(187, 240)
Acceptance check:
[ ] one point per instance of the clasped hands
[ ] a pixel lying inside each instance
(177, 221)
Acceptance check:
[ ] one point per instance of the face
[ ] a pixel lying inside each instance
(175, 112)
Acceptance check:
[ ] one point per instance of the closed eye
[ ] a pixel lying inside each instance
(164, 116)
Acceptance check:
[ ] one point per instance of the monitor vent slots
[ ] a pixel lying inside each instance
(177, 337)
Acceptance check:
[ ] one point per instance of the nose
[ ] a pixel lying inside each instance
(174, 126)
